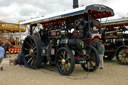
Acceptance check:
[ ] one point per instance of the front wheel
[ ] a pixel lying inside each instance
(65, 61)
(93, 60)
(122, 55)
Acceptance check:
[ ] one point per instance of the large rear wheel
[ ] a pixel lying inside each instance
(65, 61)
(32, 52)
(92, 62)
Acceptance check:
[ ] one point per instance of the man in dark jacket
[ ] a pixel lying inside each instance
(6, 47)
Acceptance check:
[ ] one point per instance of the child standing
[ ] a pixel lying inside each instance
(101, 50)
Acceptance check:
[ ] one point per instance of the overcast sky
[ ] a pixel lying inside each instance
(15, 10)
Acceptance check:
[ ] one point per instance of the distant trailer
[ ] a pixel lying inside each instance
(115, 36)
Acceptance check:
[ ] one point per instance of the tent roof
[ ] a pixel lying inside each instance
(11, 27)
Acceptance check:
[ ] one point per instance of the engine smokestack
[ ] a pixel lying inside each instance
(75, 4)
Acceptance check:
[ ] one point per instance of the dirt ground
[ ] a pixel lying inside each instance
(112, 74)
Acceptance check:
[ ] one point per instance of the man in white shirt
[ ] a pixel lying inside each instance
(2, 52)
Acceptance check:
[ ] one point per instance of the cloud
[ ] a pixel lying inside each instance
(4, 3)
(14, 10)
(30, 8)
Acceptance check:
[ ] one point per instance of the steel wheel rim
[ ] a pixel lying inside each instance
(64, 61)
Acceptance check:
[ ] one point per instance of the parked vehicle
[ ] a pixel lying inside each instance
(64, 39)
(115, 36)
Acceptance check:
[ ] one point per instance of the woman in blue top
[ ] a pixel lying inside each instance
(2, 52)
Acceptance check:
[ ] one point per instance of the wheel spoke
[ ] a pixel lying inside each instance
(62, 66)
(88, 65)
(29, 60)
(59, 61)
(60, 57)
(26, 49)
(125, 60)
(63, 53)
(68, 66)
(34, 47)
(68, 58)
(32, 61)
(30, 41)
(28, 44)
(65, 68)
(121, 59)
(27, 55)
(93, 63)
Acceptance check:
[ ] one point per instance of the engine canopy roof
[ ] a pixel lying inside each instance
(96, 11)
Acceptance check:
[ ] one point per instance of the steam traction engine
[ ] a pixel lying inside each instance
(115, 33)
(63, 39)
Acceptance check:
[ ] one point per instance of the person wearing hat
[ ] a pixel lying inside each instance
(101, 50)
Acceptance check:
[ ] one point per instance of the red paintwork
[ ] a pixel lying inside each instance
(127, 50)
(80, 57)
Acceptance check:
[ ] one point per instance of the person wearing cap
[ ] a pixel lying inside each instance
(101, 50)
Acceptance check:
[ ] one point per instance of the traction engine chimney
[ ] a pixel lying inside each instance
(75, 4)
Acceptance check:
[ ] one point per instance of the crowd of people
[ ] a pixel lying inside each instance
(4, 46)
